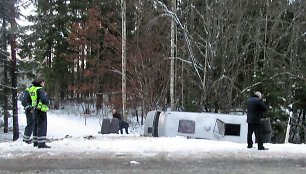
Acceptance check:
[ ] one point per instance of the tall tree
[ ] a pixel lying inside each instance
(123, 31)
(13, 44)
(4, 59)
(148, 58)
(172, 56)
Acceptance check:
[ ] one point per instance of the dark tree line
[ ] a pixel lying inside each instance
(225, 50)
(9, 31)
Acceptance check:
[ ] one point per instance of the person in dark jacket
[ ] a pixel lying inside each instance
(255, 109)
(122, 123)
(27, 104)
(40, 104)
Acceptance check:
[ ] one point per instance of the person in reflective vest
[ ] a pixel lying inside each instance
(40, 105)
(27, 105)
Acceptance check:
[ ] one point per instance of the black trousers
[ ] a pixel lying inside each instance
(28, 130)
(123, 125)
(40, 128)
(254, 128)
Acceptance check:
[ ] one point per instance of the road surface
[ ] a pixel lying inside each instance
(45, 161)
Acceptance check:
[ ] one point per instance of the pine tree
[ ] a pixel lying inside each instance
(4, 59)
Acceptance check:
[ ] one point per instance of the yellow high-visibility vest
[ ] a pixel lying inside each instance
(33, 93)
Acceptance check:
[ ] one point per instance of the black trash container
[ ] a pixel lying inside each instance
(266, 129)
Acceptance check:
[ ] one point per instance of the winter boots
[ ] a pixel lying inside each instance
(43, 145)
(28, 141)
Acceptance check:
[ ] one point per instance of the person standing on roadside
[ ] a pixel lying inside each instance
(27, 104)
(40, 105)
(122, 123)
(255, 109)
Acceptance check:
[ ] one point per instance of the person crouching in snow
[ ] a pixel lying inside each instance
(122, 124)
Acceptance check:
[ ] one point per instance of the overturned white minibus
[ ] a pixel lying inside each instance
(212, 126)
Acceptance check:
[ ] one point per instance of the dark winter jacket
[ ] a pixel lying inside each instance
(117, 115)
(41, 93)
(122, 123)
(255, 109)
(26, 100)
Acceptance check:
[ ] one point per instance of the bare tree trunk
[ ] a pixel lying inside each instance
(142, 113)
(5, 89)
(303, 133)
(13, 71)
(123, 7)
(14, 89)
(172, 74)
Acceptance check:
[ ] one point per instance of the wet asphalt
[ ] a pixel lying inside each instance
(112, 163)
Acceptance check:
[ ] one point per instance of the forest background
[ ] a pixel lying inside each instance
(221, 53)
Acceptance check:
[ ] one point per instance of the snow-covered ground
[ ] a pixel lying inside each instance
(71, 135)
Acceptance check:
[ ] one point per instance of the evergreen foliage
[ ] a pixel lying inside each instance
(225, 50)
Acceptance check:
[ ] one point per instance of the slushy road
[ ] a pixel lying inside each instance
(112, 163)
